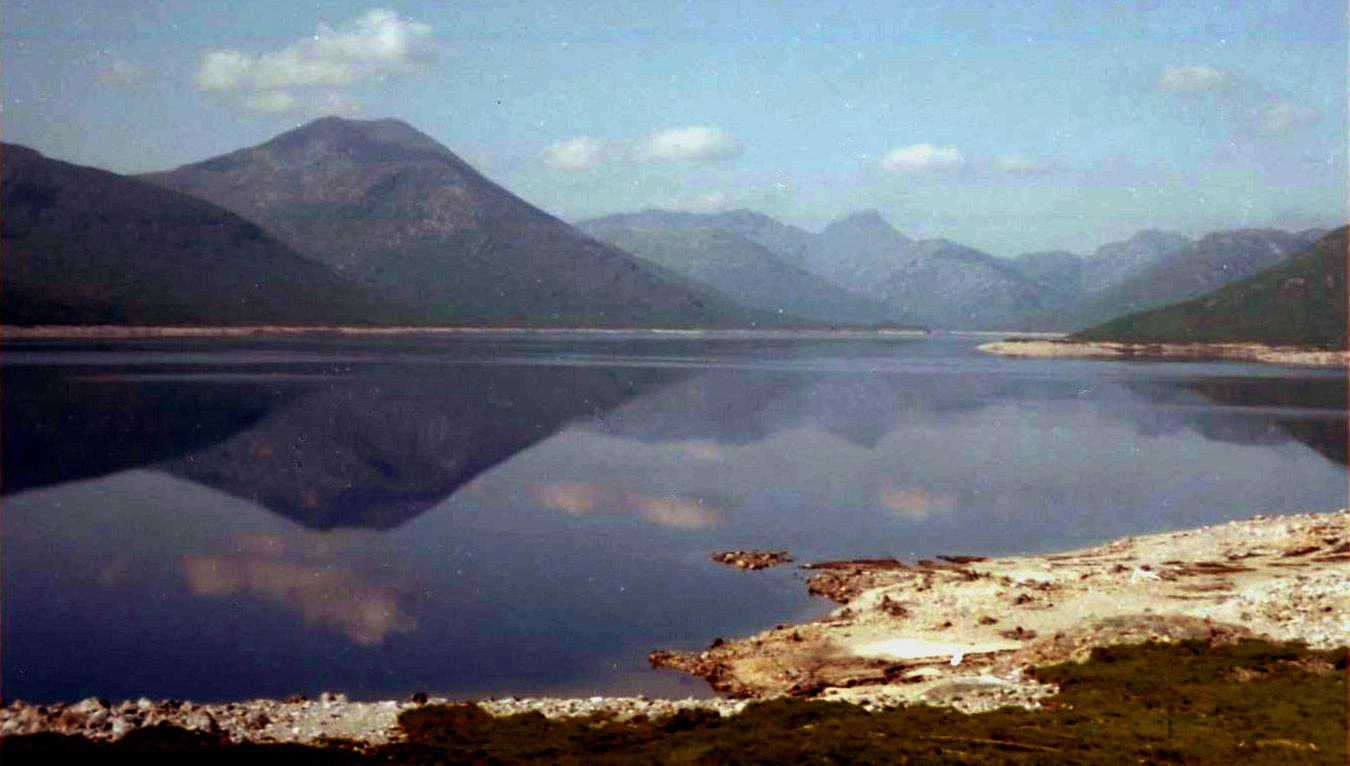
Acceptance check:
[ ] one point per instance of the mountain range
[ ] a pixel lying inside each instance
(1301, 301)
(939, 282)
(744, 271)
(372, 222)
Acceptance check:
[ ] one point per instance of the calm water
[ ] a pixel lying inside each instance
(219, 520)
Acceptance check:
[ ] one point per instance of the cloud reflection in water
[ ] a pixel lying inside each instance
(321, 594)
(584, 498)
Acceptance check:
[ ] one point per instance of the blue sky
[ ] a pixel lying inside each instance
(1007, 126)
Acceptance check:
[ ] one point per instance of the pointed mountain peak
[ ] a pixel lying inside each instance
(867, 223)
(866, 230)
(361, 141)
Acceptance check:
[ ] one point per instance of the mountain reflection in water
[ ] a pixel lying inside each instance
(375, 444)
(524, 516)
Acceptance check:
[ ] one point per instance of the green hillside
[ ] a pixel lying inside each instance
(1301, 302)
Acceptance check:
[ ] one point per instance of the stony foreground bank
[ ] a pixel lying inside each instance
(961, 633)
(331, 716)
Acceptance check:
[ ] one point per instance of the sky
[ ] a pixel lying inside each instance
(1011, 127)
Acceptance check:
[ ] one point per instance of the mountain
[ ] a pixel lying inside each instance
(787, 242)
(742, 270)
(1300, 302)
(857, 251)
(938, 281)
(958, 287)
(1116, 262)
(86, 246)
(1057, 270)
(387, 206)
(1215, 260)
(934, 282)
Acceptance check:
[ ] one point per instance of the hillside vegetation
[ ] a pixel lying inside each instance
(1301, 302)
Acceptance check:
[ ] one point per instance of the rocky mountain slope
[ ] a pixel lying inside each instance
(86, 246)
(387, 206)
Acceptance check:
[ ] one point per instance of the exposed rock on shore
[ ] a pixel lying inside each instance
(751, 560)
(962, 634)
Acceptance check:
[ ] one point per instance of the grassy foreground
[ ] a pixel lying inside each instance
(1188, 703)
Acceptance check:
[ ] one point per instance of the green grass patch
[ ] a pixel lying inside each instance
(1189, 703)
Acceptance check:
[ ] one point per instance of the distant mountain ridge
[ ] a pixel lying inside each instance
(1201, 266)
(744, 271)
(933, 282)
(388, 207)
(1300, 301)
(945, 284)
(1116, 262)
(784, 240)
(86, 246)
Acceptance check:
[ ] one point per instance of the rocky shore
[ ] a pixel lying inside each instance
(959, 631)
(963, 631)
(299, 720)
(1240, 352)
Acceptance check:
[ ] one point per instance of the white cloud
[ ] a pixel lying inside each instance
(223, 70)
(923, 158)
(691, 144)
(696, 143)
(1016, 163)
(1198, 78)
(1241, 101)
(270, 101)
(118, 72)
(373, 46)
(575, 154)
(1282, 118)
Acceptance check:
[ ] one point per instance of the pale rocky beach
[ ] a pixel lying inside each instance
(963, 631)
(959, 631)
(1040, 348)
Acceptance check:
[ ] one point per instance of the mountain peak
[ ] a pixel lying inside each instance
(359, 140)
(865, 230)
(869, 224)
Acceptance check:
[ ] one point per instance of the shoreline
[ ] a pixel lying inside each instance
(960, 632)
(963, 630)
(127, 332)
(1238, 352)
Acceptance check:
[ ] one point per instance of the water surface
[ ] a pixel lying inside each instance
(221, 519)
